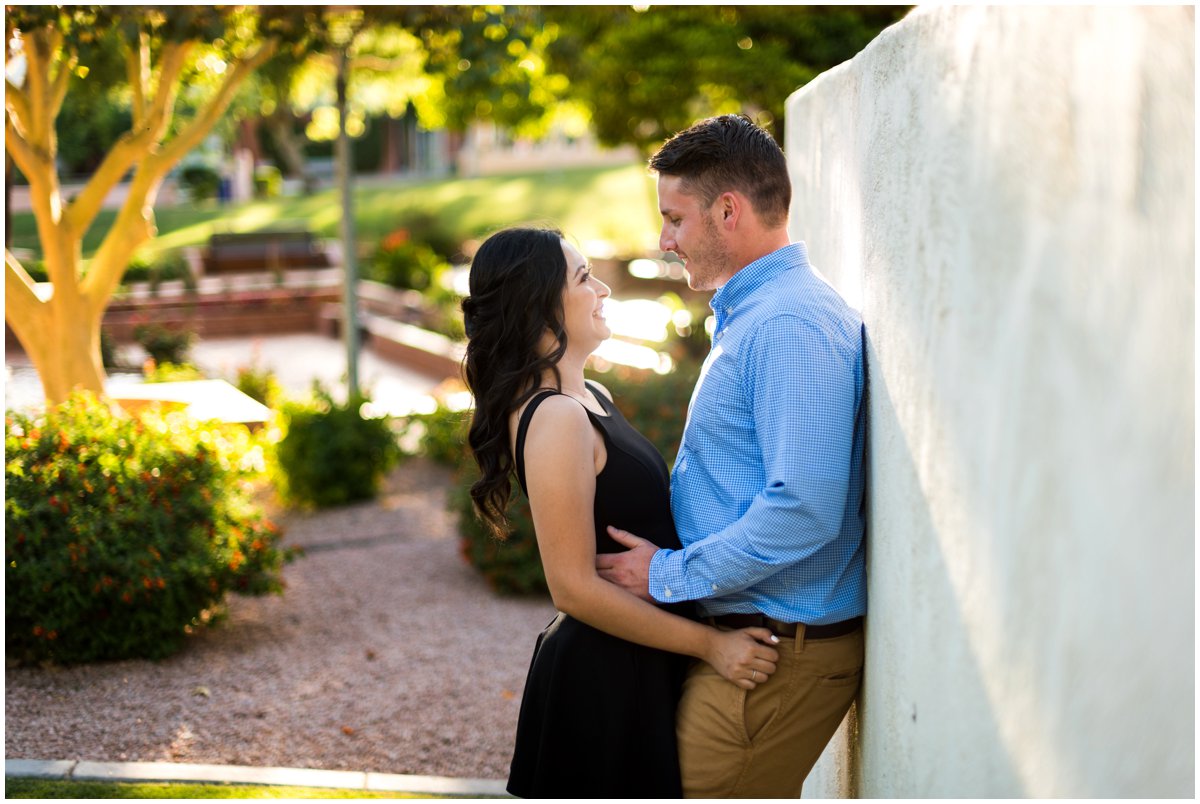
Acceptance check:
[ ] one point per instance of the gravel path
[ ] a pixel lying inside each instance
(387, 653)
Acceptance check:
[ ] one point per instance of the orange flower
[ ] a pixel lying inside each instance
(396, 239)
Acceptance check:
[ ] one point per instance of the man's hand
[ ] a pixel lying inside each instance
(629, 570)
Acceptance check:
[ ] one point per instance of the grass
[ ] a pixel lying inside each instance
(16, 787)
(616, 204)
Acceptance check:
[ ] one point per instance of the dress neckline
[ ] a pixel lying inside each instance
(599, 398)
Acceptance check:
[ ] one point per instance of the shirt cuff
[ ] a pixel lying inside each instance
(668, 582)
(662, 583)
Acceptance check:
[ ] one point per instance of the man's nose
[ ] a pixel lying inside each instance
(666, 240)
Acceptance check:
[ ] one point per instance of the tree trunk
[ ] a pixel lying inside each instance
(291, 148)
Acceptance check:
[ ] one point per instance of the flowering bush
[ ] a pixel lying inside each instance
(122, 535)
(402, 262)
(511, 566)
(163, 344)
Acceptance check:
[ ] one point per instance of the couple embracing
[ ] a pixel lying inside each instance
(709, 636)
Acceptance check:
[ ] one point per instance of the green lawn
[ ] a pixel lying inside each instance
(16, 787)
(613, 204)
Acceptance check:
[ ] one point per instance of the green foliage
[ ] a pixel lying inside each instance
(171, 372)
(259, 384)
(163, 344)
(331, 454)
(81, 149)
(122, 535)
(595, 203)
(512, 565)
(440, 435)
(201, 181)
(646, 74)
(402, 262)
(25, 787)
(268, 181)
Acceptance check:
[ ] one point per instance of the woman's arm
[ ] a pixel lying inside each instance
(560, 474)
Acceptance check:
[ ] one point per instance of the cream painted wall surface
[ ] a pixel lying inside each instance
(1009, 196)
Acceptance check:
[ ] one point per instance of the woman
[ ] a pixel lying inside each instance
(598, 714)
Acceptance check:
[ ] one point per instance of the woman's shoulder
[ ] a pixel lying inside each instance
(554, 411)
(607, 394)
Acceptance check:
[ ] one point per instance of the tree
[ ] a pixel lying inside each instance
(646, 73)
(161, 52)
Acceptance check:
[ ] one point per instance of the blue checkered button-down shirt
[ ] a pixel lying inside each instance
(767, 489)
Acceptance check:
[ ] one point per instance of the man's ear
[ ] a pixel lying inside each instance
(731, 206)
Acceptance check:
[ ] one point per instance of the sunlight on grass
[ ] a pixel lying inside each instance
(15, 787)
(613, 204)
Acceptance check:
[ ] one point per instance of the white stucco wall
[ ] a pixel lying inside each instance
(1009, 196)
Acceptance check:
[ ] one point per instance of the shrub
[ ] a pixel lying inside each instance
(268, 181)
(440, 435)
(170, 372)
(167, 266)
(164, 345)
(511, 565)
(259, 384)
(330, 453)
(201, 181)
(122, 534)
(402, 262)
(429, 228)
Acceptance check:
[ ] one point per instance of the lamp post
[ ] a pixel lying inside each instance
(349, 251)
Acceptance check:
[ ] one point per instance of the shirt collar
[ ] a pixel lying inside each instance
(757, 274)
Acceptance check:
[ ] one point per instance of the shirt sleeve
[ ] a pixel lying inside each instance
(802, 386)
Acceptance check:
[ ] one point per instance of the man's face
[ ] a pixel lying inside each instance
(692, 232)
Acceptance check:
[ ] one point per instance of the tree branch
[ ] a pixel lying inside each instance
(90, 200)
(135, 75)
(23, 155)
(192, 135)
(133, 226)
(58, 91)
(17, 104)
(22, 307)
(37, 68)
(159, 113)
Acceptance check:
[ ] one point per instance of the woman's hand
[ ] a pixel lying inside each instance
(744, 657)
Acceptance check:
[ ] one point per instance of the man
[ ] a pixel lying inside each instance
(767, 490)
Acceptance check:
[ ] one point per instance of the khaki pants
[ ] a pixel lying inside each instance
(735, 743)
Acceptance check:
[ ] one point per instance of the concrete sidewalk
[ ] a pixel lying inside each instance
(76, 770)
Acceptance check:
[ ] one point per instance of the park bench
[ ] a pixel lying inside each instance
(274, 250)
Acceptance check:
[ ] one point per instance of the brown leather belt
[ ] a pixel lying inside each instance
(780, 628)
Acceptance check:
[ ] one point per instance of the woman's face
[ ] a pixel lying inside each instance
(583, 303)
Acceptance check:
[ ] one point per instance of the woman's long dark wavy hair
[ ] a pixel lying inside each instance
(516, 283)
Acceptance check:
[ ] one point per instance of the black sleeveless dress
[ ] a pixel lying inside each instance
(598, 714)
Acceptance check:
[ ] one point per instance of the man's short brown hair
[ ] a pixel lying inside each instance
(729, 152)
